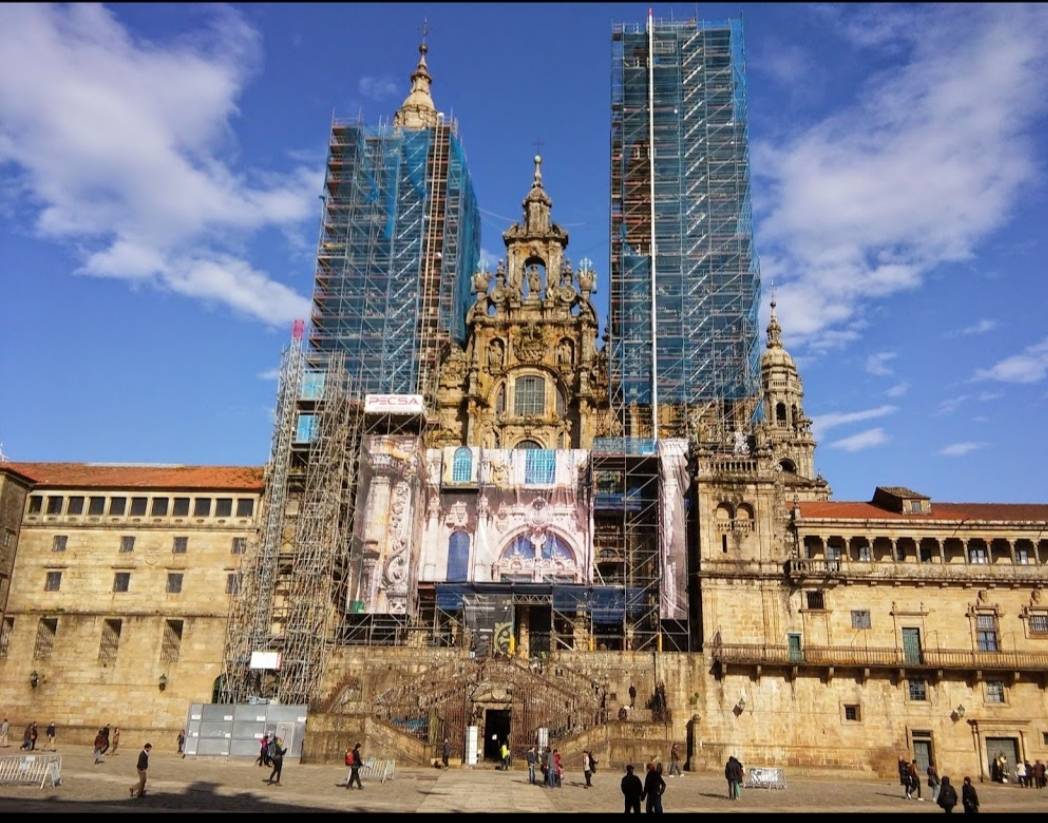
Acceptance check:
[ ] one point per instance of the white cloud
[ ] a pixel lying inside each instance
(862, 440)
(898, 390)
(961, 449)
(1029, 367)
(787, 63)
(921, 169)
(378, 88)
(269, 374)
(119, 143)
(824, 422)
(877, 364)
(488, 261)
(982, 327)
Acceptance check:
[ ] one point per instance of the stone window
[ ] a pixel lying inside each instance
(232, 583)
(76, 505)
(117, 505)
(816, 600)
(202, 507)
(864, 553)
(995, 691)
(171, 645)
(180, 545)
(852, 713)
(1022, 555)
(977, 554)
(58, 542)
(224, 507)
(46, 630)
(96, 506)
(860, 619)
(54, 505)
(986, 633)
(918, 688)
(181, 507)
(138, 506)
(53, 581)
(35, 503)
(245, 507)
(121, 581)
(1039, 623)
(159, 506)
(127, 543)
(174, 583)
(6, 628)
(529, 397)
(107, 649)
(462, 467)
(239, 545)
(458, 556)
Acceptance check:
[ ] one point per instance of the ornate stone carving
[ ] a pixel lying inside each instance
(529, 344)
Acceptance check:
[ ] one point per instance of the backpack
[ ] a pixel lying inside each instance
(349, 758)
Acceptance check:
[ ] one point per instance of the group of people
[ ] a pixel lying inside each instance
(29, 736)
(271, 753)
(1027, 775)
(106, 743)
(733, 773)
(943, 792)
(549, 761)
(650, 791)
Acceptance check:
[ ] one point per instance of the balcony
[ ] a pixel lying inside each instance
(807, 569)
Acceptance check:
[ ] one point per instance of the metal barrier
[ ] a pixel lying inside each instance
(382, 770)
(31, 769)
(764, 778)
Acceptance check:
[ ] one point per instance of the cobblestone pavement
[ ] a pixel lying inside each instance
(223, 785)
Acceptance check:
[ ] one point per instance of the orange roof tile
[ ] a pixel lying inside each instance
(940, 511)
(122, 476)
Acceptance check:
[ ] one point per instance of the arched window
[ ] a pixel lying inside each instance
(529, 396)
(780, 414)
(462, 468)
(787, 466)
(458, 557)
(554, 546)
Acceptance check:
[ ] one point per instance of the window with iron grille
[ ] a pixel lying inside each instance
(201, 507)
(107, 649)
(239, 545)
(245, 507)
(46, 630)
(58, 542)
(852, 713)
(6, 628)
(986, 633)
(96, 505)
(529, 397)
(53, 582)
(918, 689)
(127, 543)
(180, 545)
(76, 505)
(816, 600)
(224, 507)
(539, 467)
(171, 646)
(181, 507)
(995, 691)
(1039, 623)
(233, 583)
(462, 468)
(860, 619)
(121, 581)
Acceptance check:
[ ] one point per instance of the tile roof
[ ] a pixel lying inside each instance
(940, 511)
(139, 476)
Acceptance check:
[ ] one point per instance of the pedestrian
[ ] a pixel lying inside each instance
(99, 748)
(947, 795)
(51, 734)
(504, 756)
(1038, 773)
(270, 749)
(633, 695)
(182, 742)
(737, 774)
(446, 752)
(1020, 773)
(969, 798)
(531, 757)
(5, 728)
(27, 738)
(105, 736)
(675, 761)
(116, 739)
(654, 786)
(277, 758)
(143, 768)
(587, 768)
(356, 761)
(915, 780)
(551, 769)
(34, 733)
(263, 751)
(934, 784)
(558, 769)
(632, 790)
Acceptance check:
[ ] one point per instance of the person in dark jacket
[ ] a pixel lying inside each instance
(947, 795)
(969, 798)
(904, 777)
(277, 756)
(632, 790)
(354, 768)
(445, 752)
(654, 786)
(143, 768)
(263, 751)
(934, 783)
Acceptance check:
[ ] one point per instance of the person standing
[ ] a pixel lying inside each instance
(51, 734)
(934, 784)
(1020, 773)
(27, 738)
(587, 768)
(969, 798)
(105, 737)
(915, 780)
(143, 769)
(654, 786)
(947, 798)
(633, 695)
(632, 790)
(277, 758)
(738, 773)
(354, 768)
(675, 761)
(99, 748)
(531, 757)
(904, 778)
(263, 751)
(34, 734)
(504, 756)
(446, 752)
(182, 742)
(5, 728)
(558, 769)
(551, 769)
(116, 739)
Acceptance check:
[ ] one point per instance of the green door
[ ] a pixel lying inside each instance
(922, 751)
(911, 646)
(796, 655)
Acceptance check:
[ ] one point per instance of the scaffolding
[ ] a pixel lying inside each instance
(684, 276)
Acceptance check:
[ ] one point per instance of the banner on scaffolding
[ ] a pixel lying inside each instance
(402, 404)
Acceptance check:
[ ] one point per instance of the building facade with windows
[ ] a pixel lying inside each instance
(122, 577)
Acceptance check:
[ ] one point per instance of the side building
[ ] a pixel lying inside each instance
(121, 579)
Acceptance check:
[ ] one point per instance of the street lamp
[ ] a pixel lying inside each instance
(34, 679)
(162, 682)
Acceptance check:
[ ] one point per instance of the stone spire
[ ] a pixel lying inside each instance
(418, 111)
(537, 204)
(774, 330)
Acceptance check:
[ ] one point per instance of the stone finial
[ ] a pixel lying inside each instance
(774, 330)
(418, 111)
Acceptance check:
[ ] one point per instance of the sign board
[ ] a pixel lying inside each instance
(471, 745)
(394, 404)
(265, 660)
(765, 778)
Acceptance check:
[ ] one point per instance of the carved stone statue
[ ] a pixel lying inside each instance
(495, 355)
(534, 281)
(564, 354)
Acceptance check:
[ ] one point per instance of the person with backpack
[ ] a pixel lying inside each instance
(947, 795)
(354, 761)
(933, 783)
(969, 797)
(263, 751)
(276, 755)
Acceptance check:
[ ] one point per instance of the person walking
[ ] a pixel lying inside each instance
(1020, 773)
(277, 758)
(632, 790)
(182, 742)
(27, 739)
(654, 786)
(675, 761)
(1038, 773)
(504, 756)
(116, 739)
(356, 761)
(445, 752)
(947, 798)
(915, 780)
(934, 783)
(904, 778)
(99, 748)
(5, 729)
(531, 757)
(263, 751)
(969, 797)
(105, 739)
(587, 768)
(51, 734)
(143, 769)
(558, 769)
(34, 733)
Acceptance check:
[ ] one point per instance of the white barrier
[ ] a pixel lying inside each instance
(382, 770)
(30, 769)
(764, 778)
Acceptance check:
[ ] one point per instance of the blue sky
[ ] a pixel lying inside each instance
(160, 167)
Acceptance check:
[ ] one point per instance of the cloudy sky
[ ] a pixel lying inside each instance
(160, 168)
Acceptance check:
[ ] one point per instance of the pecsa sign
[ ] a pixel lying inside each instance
(394, 404)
